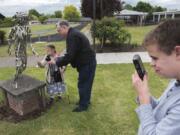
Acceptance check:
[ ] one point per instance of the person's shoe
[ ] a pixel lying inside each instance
(77, 103)
(80, 109)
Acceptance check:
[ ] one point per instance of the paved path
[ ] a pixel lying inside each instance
(10, 61)
(1, 82)
(89, 36)
(102, 58)
(125, 57)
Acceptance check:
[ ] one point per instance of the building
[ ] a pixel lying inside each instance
(52, 20)
(132, 17)
(85, 19)
(158, 16)
(34, 22)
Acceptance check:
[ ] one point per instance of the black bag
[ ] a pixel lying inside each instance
(56, 84)
(55, 73)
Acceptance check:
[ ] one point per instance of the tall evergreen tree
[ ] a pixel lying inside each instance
(103, 8)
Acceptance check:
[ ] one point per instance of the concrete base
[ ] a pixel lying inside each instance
(27, 97)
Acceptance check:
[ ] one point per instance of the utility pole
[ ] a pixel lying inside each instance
(94, 27)
(101, 5)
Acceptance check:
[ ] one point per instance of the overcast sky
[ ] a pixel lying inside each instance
(10, 7)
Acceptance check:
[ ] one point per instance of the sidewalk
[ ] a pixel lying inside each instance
(125, 57)
(102, 58)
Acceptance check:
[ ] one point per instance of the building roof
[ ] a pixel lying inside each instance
(167, 12)
(85, 19)
(126, 12)
(53, 20)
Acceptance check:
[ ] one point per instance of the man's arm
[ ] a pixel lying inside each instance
(70, 54)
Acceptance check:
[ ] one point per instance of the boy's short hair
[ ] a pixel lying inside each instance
(166, 36)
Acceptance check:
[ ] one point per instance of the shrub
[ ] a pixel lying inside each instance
(7, 22)
(2, 37)
(111, 29)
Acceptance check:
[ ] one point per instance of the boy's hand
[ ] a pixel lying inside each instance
(141, 88)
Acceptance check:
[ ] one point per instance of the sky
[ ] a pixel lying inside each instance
(10, 7)
(169, 4)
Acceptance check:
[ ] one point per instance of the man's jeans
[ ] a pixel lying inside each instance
(85, 82)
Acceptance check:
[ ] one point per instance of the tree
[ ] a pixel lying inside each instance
(147, 7)
(58, 14)
(71, 13)
(33, 17)
(7, 22)
(103, 8)
(50, 15)
(2, 16)
(143, 7)
(34, 12)
(2, 37)
(42, 18)
(159, 9)
(128, 7)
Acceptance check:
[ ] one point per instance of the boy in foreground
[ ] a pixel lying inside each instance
(162, 116)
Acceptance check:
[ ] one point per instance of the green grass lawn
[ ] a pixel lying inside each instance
(39, 47)
(138, 33)
(111, 112)
(42, 29)
(49, 29)
(35, 28)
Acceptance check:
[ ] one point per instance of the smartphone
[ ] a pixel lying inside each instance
(139, 66)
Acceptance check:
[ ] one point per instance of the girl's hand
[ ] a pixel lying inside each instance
(51, 62)
(141, 87)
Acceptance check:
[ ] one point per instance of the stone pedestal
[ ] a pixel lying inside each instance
(27, 97)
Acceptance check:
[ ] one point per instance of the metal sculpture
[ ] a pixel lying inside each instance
(20, 37)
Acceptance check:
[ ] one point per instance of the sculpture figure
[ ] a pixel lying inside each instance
(20, 37)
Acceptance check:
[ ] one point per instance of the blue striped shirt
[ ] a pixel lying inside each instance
(162, 116)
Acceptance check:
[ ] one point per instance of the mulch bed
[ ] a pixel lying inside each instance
(9, 115)
(119, 48)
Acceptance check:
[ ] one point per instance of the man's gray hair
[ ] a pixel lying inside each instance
(62, 23)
